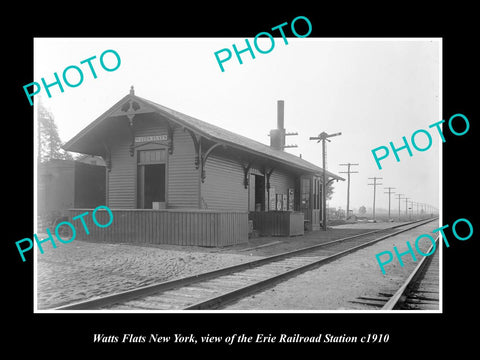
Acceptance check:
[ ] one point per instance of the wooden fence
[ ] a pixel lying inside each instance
(176, 227)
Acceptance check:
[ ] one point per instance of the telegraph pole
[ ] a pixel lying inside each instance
(348, 183)
(374, 191)
(406, 207)
(399, 198)
(389, 193)
(322, 137)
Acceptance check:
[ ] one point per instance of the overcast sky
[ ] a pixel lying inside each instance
(373, 91)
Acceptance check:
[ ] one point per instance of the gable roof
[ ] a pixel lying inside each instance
(207, 130)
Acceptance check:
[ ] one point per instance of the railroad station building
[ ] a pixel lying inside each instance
(174, 179)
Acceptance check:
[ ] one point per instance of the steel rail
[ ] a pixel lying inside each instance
(401, 294)
(127, 295)
(263, 284)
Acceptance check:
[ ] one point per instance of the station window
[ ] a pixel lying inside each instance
(305, 200)
(152, 156)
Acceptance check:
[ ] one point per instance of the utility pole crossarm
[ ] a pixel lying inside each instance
(324, 136)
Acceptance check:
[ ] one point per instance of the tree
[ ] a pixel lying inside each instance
(330, 190)
(49, 143)
(362, 210)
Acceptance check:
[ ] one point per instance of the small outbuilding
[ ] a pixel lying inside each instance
(66, 184)
(174, 179)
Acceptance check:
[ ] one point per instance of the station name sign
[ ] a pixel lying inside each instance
(140, 139)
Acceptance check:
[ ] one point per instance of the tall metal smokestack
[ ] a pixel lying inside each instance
(277, 136)
(280, 114)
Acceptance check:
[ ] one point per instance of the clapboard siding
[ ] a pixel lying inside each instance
(146, 126)
(223, 188)
(282, 181)
(183, 178)
(122, 177)
(175, 227)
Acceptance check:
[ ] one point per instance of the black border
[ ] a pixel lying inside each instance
(47, 332)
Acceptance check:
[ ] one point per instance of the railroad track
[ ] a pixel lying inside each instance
(421, 289)
(216, 288)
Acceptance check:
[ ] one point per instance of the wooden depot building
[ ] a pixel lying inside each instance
(174, 179)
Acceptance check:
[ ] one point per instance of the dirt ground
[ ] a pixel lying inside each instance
(81, 270)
